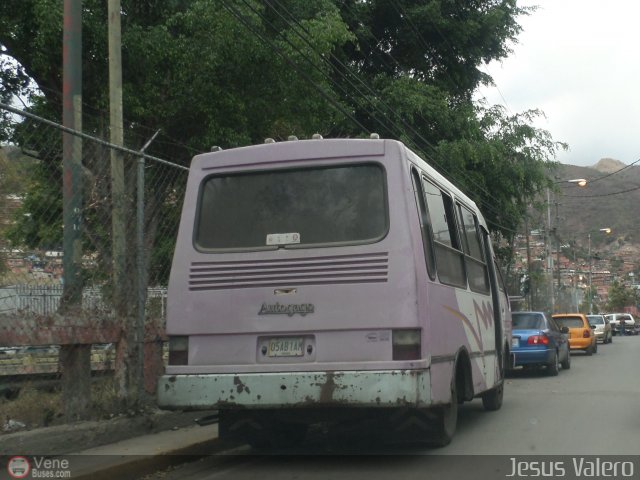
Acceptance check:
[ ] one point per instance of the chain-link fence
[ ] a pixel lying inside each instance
(78, 265)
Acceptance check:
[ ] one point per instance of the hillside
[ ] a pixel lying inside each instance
(609, 200)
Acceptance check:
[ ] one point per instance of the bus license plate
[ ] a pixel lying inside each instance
(286, 347)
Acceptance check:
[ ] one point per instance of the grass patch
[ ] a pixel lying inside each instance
(39, 404)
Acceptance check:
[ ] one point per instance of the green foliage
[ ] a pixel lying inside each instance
(620, 297)
(215, 72)
(37, 227)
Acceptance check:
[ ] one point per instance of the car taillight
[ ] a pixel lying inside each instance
(407, 344)
(538, 340)
(179, 350)
(586, 334)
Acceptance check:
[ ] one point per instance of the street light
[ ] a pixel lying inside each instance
(607, 231)
(581, 182)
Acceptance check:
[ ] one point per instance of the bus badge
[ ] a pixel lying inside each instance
(286, 309)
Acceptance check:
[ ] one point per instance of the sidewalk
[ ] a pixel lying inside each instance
(119, 448)
(139, 456)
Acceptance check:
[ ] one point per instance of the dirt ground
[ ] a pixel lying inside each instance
(38, 403)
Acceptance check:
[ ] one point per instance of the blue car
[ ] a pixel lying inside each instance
(538, 341)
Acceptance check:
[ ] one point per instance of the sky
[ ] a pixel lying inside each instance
(579, 62)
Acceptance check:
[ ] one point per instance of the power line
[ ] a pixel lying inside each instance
(614, 173)
(605, 194)
(462, 172)
(292, 64)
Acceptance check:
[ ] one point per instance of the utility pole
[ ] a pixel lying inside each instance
(126, 354)
(529, 293)
(549, 255)
(75, 359)
(590, 274)
(117, 138)
(606, 231)
(555, 230)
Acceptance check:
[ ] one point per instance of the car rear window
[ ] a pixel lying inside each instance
(570, 322)
(524, 321)
(596, 319)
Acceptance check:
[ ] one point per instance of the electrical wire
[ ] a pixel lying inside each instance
(236, 13)
(614, 173)
(462, 173)
(634, 189)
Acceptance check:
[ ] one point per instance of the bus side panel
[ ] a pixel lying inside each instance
(462, 335)
(454, 320)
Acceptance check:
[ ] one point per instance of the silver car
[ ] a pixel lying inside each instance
(603, 330)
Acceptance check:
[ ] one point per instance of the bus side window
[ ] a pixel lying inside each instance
(449, 256)
(425, 226)
(477, 269)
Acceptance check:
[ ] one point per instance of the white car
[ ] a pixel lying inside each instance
(627, 318)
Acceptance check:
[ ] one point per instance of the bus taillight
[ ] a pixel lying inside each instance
(407, 344)
(179, 350)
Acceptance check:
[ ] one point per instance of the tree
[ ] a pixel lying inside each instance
(230, 73)
(14, 168)
(620, 296)
(213, 72)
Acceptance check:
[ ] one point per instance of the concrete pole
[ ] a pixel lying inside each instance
(558, 274)
(75, 359)
(549, 255)
(126, 354)
(530, 292)
(72, 150)
(590, 273)
(117, 138)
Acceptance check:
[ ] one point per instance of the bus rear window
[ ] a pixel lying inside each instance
(303, 207)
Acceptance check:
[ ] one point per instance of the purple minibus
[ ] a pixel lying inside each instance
(332, 280)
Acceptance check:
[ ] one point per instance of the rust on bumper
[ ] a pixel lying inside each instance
(389, 388)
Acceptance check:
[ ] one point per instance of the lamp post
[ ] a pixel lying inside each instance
(607, 231)
(581, 182)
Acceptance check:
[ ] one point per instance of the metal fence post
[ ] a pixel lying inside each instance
(141, 269)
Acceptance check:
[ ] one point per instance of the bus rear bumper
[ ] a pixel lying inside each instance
(389, 388)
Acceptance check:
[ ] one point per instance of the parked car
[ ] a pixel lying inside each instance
(581, 333)
(537, 340)
(603, 328)
(630, 327)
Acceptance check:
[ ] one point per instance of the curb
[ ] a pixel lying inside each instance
(75, 437)
(135, 466)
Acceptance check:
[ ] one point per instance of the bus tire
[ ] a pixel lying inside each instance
(444, 422)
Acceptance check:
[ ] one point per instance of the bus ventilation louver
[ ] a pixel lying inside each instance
(330, 270)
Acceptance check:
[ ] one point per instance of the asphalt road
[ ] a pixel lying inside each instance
(585, 413)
